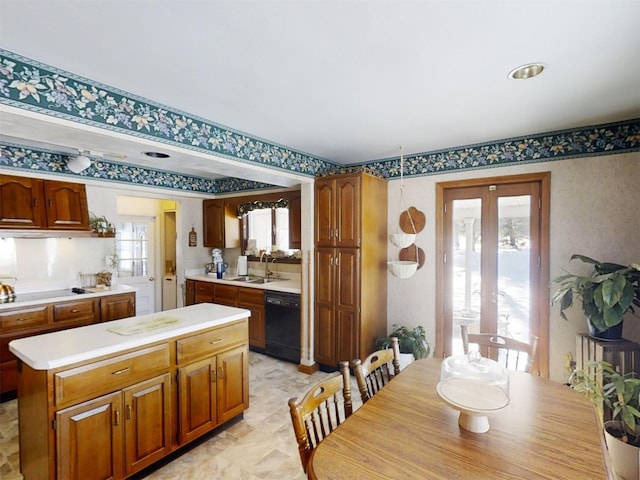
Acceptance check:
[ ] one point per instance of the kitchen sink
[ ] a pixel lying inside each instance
(242, 279)
(251, 279)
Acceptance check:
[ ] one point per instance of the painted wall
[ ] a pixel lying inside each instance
(595, 211)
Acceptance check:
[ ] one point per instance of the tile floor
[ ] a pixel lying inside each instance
(258, 447)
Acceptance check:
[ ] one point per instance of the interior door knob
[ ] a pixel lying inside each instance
(151, 279)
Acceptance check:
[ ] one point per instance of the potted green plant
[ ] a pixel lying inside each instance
(620, 394)
(101, 225)
(607, 294)
(411, 342)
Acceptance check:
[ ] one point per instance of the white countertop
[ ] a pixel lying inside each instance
(38, 298)
(59, 349)
(288, 285)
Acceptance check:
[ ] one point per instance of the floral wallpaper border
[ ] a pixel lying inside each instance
(34, 86)
(30, 85)
(38, 160)
(607, 139)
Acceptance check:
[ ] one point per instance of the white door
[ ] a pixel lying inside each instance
(136, 266)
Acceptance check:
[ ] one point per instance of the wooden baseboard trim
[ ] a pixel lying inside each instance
(308, 369)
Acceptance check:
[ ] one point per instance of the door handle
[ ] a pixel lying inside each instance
(151, 279)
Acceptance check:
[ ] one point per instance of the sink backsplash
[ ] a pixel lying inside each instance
(42, 264)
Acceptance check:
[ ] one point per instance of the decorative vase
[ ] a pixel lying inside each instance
(611, 334)
(624, 457)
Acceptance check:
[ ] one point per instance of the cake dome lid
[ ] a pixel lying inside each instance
(473, 366)
(474, 382)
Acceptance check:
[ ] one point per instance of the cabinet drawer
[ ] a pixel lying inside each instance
(211, 342)
(25, 317)
(250, 296)
(111, 374)
(81, 309)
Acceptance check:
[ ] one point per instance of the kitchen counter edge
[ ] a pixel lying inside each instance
(288, 286)
(63, 348)
(115, 290)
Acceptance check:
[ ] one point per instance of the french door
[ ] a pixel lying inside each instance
(493, 268)
(136, 265)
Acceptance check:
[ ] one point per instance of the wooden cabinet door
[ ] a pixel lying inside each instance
(213, 223)
(66, 205)
(21, 203)
(347, 304)
(225, 294)
(190, 292)
(347, 211)
(147, 422)
(233, 383)
(347, 268)
(295, 220)
(89, 439)
(203, 292)
(324, 216)
(197, 399)
(325, 333)
(115, 307)
(253, 299)
(256, 326)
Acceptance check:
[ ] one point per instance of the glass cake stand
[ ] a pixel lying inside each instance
(475, 386)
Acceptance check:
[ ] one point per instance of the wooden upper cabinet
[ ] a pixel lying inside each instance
(213, 223)
(21, 202)
(220, 224)
(295, 220)
(338, 211)
(27, 203)
(66, 205)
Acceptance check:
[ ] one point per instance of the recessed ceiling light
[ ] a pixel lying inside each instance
(156, 154)
(527, 71)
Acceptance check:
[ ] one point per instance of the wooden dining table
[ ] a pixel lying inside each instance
(406, 431)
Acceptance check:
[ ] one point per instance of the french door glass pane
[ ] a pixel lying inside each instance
(514, 261)
(132, 241)
(466, 250)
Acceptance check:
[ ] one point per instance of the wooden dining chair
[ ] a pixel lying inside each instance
(507, 351)
(374, 372)
(324, 407)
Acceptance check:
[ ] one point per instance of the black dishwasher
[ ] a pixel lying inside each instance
(282, 325)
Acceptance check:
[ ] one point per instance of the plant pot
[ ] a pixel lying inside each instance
(611, 334)
(625, 458)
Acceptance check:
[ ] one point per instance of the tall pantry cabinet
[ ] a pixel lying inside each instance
(350, 266)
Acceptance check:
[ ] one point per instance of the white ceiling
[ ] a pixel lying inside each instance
(347, 81)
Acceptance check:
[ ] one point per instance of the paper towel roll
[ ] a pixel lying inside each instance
(242, 265)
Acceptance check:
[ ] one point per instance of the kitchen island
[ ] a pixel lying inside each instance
(107, 400)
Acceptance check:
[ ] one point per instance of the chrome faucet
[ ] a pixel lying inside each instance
(267, 272)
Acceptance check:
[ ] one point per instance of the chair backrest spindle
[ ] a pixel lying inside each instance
(323, 408)
(374, 372)
(507, 351)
